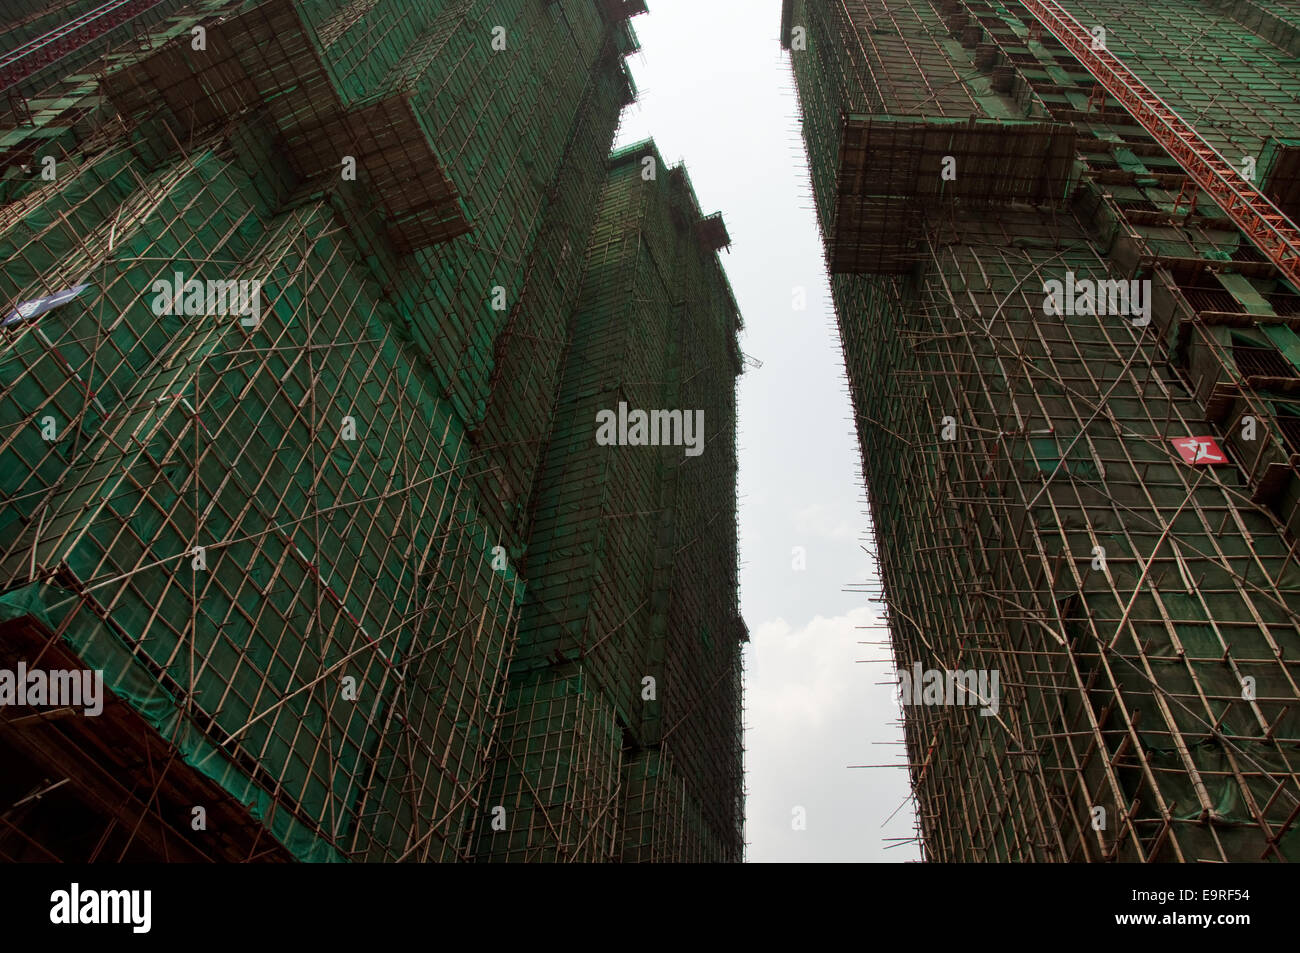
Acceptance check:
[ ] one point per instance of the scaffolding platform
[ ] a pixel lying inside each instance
(894, 171)
(265, 58)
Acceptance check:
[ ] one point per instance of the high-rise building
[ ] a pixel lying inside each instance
(630, 636)
(1064, 262)
(288, 290)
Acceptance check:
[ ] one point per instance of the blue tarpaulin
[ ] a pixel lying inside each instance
(30, 309)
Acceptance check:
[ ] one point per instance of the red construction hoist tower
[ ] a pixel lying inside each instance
(17, 65)
(1258, 218)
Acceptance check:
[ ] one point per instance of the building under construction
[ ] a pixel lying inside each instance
(310, 308)
(1066, 269)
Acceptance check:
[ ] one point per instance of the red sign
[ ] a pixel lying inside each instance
(1199, 451)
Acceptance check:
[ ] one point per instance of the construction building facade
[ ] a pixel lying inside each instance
(310, 310)
(1064, 261)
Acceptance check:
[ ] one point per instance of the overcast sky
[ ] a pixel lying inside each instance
(716, 91)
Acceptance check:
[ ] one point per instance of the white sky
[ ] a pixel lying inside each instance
(716, 91)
